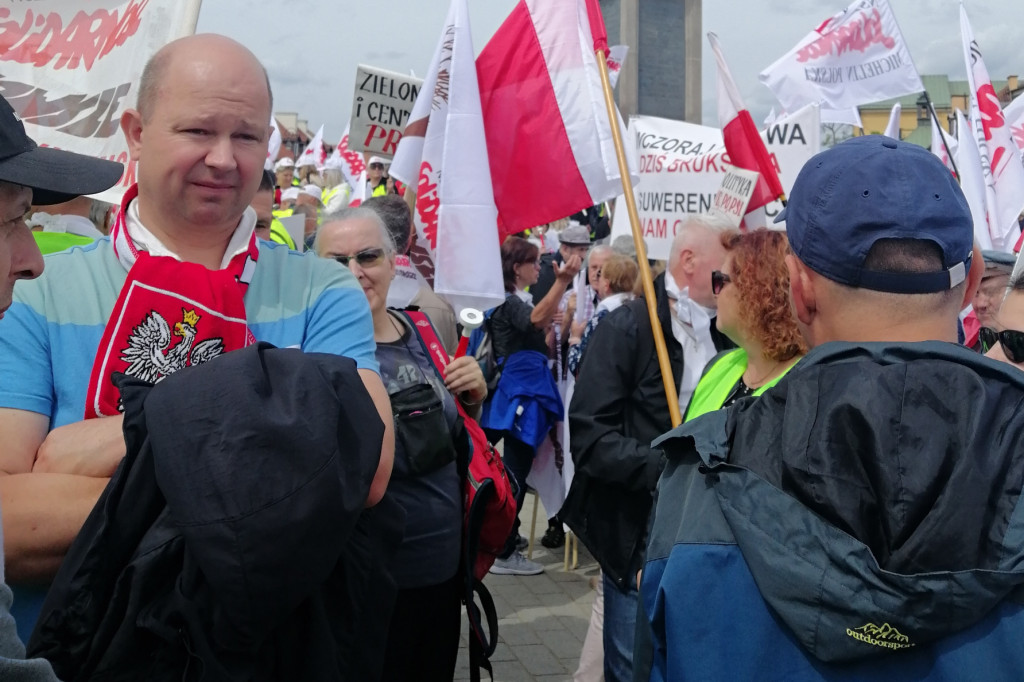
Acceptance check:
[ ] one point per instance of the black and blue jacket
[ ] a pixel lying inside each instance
(862, 520)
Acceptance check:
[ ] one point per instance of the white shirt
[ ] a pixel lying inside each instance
(691, 326)
(146, 241)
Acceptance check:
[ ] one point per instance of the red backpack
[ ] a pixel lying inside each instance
(489, 506)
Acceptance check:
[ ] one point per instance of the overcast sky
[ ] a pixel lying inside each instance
(311, 47)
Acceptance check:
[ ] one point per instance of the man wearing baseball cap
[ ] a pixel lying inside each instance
(862, 519)
(29, 175)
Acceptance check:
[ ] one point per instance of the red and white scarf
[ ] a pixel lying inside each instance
(169, 315)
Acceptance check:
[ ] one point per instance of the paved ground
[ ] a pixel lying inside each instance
(542, 619)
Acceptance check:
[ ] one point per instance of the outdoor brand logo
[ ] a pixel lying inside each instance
(884, 635)
(858, 35)
(150, 355)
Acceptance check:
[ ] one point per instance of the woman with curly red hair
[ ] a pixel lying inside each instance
(752, 289)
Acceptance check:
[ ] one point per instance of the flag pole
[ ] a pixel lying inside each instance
(667, 377)
(935, 118)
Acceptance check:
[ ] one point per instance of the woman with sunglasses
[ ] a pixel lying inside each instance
(423, 640)
(752, 290)
(1007, 345)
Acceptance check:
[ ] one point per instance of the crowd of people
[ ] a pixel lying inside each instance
(841, 500)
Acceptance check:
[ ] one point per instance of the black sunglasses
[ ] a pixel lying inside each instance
(1011, 340)
(376, 166)
(367, 258)
(718, 280)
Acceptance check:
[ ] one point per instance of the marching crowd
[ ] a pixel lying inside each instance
(841, 501)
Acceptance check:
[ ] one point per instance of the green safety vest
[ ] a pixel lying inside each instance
(718, 381)
(283, 213)
(380, 190)
(52, 242)
(280, 235)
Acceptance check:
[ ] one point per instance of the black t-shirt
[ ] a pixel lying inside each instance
(513, 330)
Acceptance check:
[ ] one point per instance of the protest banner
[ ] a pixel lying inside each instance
(380, 109)
(682, 165)
(734, 194)
(855, 57)
(71, 69)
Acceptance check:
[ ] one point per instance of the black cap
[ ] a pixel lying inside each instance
(54, 175)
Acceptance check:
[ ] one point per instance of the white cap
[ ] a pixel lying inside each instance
(313, 191)
(290, 194)
(377, 159)
(332, 162)
(284, 163)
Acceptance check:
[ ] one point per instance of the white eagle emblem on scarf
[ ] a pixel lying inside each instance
(150, 356)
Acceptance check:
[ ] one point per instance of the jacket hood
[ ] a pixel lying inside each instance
(875, 492)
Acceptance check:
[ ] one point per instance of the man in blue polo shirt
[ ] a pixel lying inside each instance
(181, 279)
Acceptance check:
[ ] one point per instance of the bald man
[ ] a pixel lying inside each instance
(181, 266)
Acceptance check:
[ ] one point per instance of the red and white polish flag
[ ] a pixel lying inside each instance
(443, 156)
(313, 154)
(1000, 158)
(548, 136)
(742, 140)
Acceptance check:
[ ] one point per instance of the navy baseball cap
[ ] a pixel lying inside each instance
(874, 187)
(55, 175)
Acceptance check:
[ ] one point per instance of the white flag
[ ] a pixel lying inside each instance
(1000, 159)
(856, 57)
(972, 180)
(443, 157)
(944, 145)
(1014, 114)
(274, 148)
(352, 163)
(616, 58)
(313, 154)
(892, 129)
(72, 68)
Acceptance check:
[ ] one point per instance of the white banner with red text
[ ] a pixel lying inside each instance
(70, 69)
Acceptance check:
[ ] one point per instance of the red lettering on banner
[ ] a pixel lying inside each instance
(391, 145)
(428, 203)
(88, 37)
(375, 132)
(991, 112)
(859, 35)
(355, 162)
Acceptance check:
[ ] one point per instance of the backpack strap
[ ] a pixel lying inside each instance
(480, 647)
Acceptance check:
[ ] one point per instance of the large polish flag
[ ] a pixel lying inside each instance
(548, 136)
(1000, 159)
(443, 155)
(742, 141)
(351, 163)
(313, 154)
